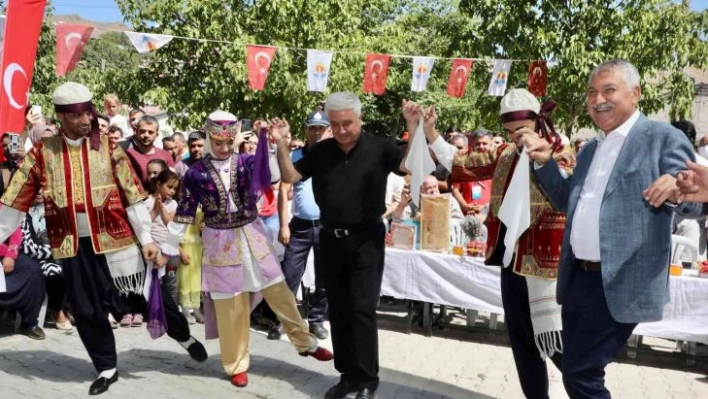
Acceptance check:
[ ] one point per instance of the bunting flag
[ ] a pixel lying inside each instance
(146, 42)
(538, 76)
(376, 73)
(318, 63)
(422, 66)
(500, 78)
(2, 33)
(71, 40)
(22, 28)
(458, 77)
(258, 60)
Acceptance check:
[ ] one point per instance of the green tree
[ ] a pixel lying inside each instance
(193, 78)
(659, 37)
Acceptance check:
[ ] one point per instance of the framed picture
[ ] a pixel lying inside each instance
(403, 236)
(435, 222)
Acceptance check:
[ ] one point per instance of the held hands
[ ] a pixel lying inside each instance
(693, 183)
(150, 252)
(538, 148)
(662, 190)
(278, 128)
(412, 112)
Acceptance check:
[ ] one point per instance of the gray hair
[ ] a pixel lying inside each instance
(631, 76)
(483, 133)
(149, 120)
(343, 100)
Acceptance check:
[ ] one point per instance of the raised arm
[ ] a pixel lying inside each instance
(288, 173)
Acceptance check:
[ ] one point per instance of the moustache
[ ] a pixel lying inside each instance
(603, 107)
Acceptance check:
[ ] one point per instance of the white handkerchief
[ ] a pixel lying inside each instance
(419, 162)
(515, 210)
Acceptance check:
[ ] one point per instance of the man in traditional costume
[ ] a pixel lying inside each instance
(525, 232)
(94, 212)
(238, 257)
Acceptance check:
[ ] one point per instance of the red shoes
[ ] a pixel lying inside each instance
(240, 379)
(321, 354)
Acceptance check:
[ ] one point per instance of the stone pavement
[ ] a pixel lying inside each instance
(452, 364)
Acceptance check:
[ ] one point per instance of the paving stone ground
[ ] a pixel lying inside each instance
(454, 363)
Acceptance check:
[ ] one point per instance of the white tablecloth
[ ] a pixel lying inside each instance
(465, 282)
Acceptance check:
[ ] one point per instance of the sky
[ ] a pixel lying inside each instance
(107, 10)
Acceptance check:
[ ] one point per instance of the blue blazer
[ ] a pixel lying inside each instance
(635, 238)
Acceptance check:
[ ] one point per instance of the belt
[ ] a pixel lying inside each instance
(343, 232)
(588, 266)
(304, 222)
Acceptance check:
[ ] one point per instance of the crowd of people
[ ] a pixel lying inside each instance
(97, 208)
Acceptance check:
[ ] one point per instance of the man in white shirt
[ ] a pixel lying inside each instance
(614, 263)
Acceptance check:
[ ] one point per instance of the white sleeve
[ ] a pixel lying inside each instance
(444, 152)
(175, 233)
(139, 217)
(10, 219)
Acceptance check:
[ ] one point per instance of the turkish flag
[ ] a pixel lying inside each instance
(71, 40)
(538, 76)
(258, 59)
(376, 73)
(458, 77)
(22, 28)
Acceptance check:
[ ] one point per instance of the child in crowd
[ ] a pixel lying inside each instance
(162, 209)
(154, 168)
(190, 273)
(111, 104)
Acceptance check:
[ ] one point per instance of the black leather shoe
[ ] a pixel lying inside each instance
(366, 393)
(341, 390)
(319, 331)
(276, 332)
(34, 332)
(197, 351)
(101, 384)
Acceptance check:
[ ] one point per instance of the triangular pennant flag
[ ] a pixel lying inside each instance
(458, 77)
(500, 77)
(538, 76)
(146, 42)
(258, 60)
(422, 66)
(2, 33)
(375, 73)
(71, 40)
(318, 62)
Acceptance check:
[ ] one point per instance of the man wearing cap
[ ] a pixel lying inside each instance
(94, 212)
(616, 249)
(526, 244)
(238, 258)
(302, 233)
(349, 175)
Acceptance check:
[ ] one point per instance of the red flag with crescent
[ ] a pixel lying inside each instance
(458, 77)
(538, 76)
(19, 50)
(258, 59)
(376, 73)
(71, 40)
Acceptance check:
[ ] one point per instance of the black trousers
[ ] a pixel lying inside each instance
(56, 292)
(533, 374)
(352, 275)
(303, 237)
(93, 295)
(25, 290)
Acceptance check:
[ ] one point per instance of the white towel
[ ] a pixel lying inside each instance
(545, 316)
(515, 210)
(419, 162)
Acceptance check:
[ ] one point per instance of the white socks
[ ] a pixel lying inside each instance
(108, 374)
(188, 342)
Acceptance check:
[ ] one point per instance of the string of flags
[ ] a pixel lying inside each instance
(72, 38)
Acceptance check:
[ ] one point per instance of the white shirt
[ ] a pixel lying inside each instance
(585, 240)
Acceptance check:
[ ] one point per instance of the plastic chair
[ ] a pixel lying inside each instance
(679, 245)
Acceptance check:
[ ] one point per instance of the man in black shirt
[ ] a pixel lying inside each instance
(349, 176)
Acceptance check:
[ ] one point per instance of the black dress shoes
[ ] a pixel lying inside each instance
(275, 333)
(197, 351)
(366, 393)
(341, 390)
(101, 384)
(319, 331)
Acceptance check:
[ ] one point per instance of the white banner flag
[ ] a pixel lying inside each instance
(422, 66)
(146, 42)
(318, 69)
(500, 77)
(2, 36)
